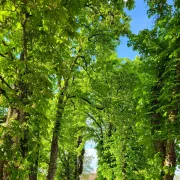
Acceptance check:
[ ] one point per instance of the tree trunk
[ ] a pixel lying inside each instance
(55, 139)
(157, 122)
(34, 168)
(170, 156)
(79, 160)
(1, 169)
(170, 160)
(33, 175)
(54, 153)
(18, 142)
(10, 142)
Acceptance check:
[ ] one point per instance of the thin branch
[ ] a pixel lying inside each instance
(2, 55)
(4, 82)
(95, 121)
(86, 100)
(94, 35)
(7, 53)
(89, 102)
(3, 92)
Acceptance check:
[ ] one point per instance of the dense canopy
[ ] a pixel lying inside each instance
(62, 84)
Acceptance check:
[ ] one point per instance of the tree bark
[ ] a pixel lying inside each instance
(15, 113)
(170, 160)
(1, 169)
(55, 138)
(54, 153)
(170, 157)
(34, 168)
(157, 122)
(79, 160)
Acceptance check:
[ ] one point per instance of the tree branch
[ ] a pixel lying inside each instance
(94, 35)
(4, 82)
(2, 55)
(95, 121)
(86, 100)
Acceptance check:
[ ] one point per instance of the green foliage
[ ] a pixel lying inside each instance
(157, 48)
(60, 78)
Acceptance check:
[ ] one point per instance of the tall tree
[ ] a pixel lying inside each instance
(159, 47)
(96, 26)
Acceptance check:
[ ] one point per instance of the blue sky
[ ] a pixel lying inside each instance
(139, 22)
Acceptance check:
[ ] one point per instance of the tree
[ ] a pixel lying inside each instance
(94, 31)
(160, 52)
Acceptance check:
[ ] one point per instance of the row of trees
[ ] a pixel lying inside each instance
(62, 84)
